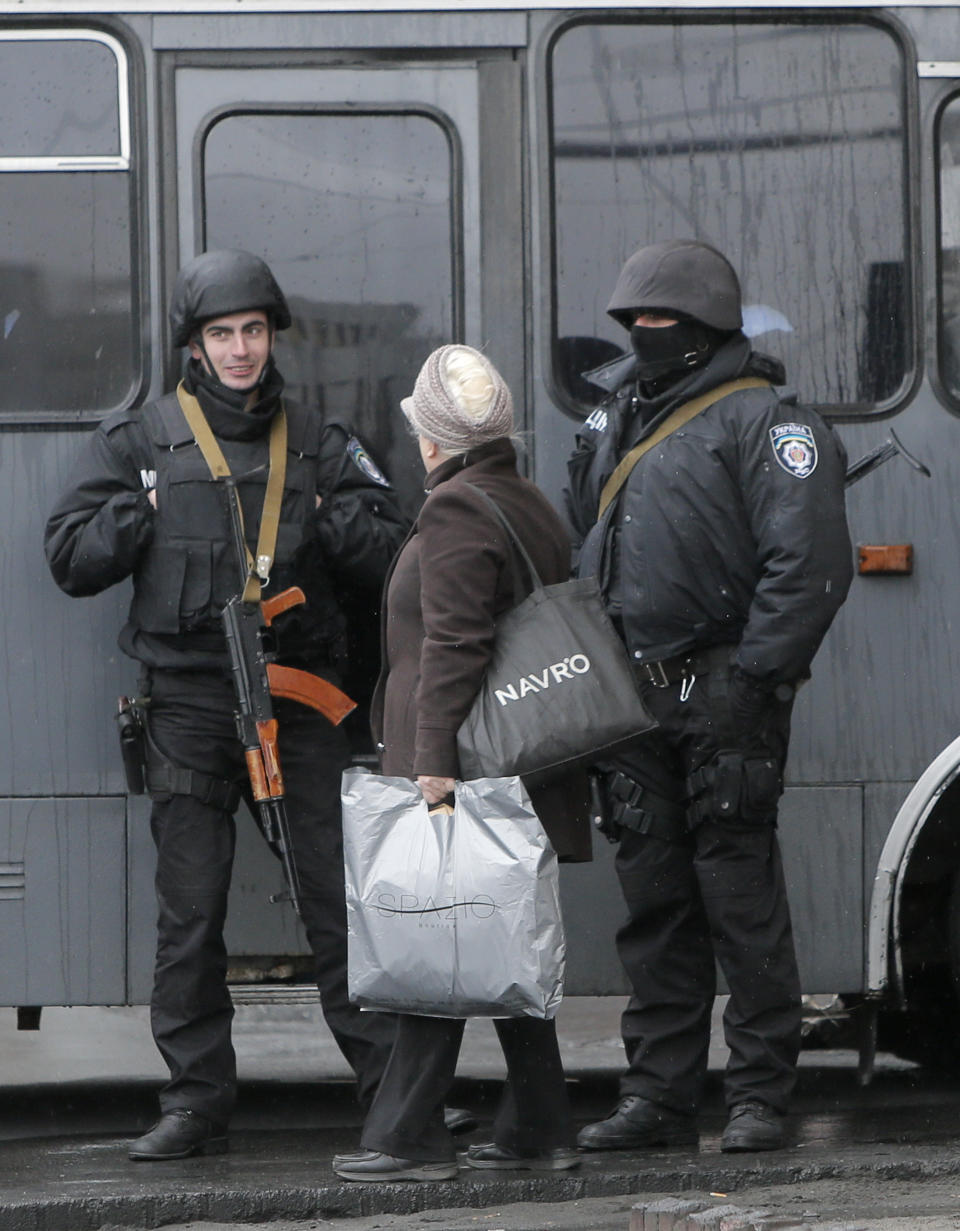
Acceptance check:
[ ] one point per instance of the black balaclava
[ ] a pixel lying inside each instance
(669, 348)
(667, 353)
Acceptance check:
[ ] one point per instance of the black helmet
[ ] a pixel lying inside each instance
(220, 282)
(679, 276)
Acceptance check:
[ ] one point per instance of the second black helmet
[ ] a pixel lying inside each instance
(678, 276)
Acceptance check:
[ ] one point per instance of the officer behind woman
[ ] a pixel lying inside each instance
(723, 557)
(143, 502)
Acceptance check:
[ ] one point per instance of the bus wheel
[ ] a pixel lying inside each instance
(928, 1031)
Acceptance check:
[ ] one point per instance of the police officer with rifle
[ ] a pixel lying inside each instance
(241, 665)
(711, 507)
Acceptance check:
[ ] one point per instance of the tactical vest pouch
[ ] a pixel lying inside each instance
(762, 787)
(727, 783)
(736, 789)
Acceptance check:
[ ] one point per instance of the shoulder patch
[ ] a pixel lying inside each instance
(597, 421)
(365, 463)
(795, 448)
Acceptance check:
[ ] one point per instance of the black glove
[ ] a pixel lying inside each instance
(750, 702)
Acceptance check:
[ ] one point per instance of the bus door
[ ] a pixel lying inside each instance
(386, 199)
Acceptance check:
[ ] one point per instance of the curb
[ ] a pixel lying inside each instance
(272, 1176)
(672, 1214)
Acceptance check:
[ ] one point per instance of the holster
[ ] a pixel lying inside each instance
(131, 727)
(148, 771)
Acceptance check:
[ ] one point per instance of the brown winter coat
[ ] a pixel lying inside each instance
(448, 585)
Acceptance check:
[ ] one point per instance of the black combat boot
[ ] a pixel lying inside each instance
(638, 1123)
(179, 1134)
(753, 1126)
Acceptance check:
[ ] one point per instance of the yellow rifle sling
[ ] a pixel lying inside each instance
(258, 570)
(683, 414)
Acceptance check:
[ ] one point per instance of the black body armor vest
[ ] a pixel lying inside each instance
(190, 569)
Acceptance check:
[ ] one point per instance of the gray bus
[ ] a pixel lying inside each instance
(417, 174)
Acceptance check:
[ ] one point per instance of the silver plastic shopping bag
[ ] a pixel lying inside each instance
(450, 914)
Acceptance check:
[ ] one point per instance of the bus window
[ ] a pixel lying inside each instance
(950, 247)
(354, 211)
(68, 313)
(783, 144)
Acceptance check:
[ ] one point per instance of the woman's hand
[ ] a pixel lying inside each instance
(435, 789)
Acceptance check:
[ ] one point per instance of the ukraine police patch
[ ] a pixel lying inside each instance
(363, 461)
(794, 448)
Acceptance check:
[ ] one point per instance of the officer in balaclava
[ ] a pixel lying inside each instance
(711, 507)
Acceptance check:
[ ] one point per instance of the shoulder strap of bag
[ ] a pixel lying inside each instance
(519, 548)
(683, 414)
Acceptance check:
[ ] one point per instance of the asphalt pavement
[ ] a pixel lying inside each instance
(81, 1087)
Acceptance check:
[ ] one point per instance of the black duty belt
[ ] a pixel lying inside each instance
(667, 671)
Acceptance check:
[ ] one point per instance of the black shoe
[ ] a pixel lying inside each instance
(753, 1126)
(492, 1157)
(638, 1123)
(371, 1167)
(179, 1134)
(459, 1120)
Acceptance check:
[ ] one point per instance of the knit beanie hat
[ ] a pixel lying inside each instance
(439, 410)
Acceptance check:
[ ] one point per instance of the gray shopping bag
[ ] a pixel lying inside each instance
(450, 914)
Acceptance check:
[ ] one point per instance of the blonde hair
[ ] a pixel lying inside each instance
(459, 400)
(469, 382)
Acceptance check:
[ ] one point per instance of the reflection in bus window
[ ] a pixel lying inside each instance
(66, 311)
(950, 248)
(782, 144)
(68, 315)
(58, 96)
(353, 212)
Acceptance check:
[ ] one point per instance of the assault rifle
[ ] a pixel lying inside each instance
(257, 678)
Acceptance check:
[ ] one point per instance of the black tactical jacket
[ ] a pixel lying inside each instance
(732, 530)
(181, 555)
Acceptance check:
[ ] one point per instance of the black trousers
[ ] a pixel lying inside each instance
(191, 722)
(406, 1119)
(715, 895)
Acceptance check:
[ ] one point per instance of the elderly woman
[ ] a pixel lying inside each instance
(450, 582)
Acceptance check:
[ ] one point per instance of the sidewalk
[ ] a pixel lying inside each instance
(78, 1090)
